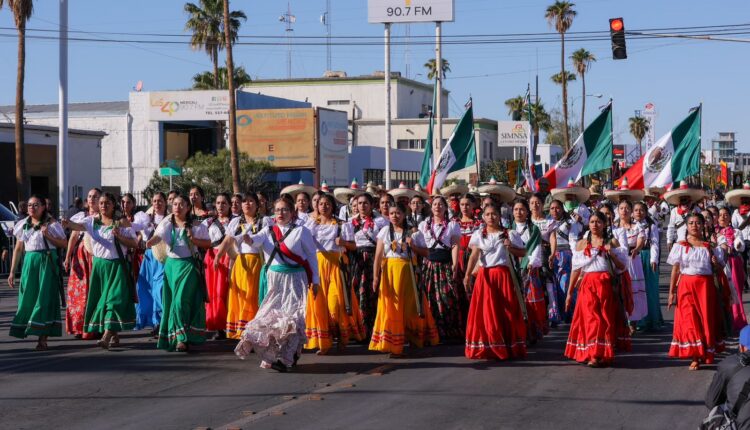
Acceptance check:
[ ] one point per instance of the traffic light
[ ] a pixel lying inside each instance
(617, 33)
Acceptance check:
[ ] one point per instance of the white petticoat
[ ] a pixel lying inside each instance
(278, 330)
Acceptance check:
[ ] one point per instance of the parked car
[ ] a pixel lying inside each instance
(7, 220)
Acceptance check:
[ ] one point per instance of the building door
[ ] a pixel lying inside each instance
(39, 185)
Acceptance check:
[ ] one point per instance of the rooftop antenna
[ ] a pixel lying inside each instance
(325, 19)
(407, 51)
(288, 19)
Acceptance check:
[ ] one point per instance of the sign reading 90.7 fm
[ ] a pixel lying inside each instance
(381, 11)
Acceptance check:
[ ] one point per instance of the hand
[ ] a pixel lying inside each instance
(467, 282)
(506, 242)
(65, 223)
(653, 267)
(4, 255)
(116, 233)
(375, 283)
(337, 241)
(714, 261)
(568, 301)
(11, 278)
(216, 263)
(66, 265)
(314, 288)
(552, 262)
(670, 301)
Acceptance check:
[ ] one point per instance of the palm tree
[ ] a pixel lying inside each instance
(515, 106)
(206, 21)
(582, 60)
(22, 10)
(557, 78)
(639, 126)
(234, 159)
(432, 68)
(540, 119)
(205, 80)
(560, 15)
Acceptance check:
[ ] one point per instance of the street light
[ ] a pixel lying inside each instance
(597, 95)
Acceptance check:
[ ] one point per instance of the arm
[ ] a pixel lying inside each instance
(572, 286)
(14, 262)
(71, 246)
(671, 232)
(74, 226)
(473, 258)
(673, 285)
(379, 255)
(124, 239)
(553, 248)
(350, 246)
(638, 246)
(200, 243)
(455, 240)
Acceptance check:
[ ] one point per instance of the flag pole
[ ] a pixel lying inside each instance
(700, 141)
(476, 144)
(611, 182)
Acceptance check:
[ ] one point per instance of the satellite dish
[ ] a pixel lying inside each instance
(139, 86)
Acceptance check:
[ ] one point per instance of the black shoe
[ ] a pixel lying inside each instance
(220, 335)
(279, 366)
(296, 359)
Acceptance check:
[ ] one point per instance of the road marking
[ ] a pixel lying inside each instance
(280, 409)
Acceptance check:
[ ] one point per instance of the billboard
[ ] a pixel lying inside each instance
(512, 133)
(382, 11)
(333, 137)
(283, 137)
(188, 105)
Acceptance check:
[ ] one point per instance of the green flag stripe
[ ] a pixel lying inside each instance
(462, 143)
(686, 141)
(597, 138)
(426, 171)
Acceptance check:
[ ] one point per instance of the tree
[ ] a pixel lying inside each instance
(431, 67)
(205, 80)
(497, 169)
(211, 173)
(230, 39)
(582, 60)
(515, 106)
(555, 132)
(22, 11)
(560, 16)
(557, 78)
(206, 22)
(540, 119)
(639, 126)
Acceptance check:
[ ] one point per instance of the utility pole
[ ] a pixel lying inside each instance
(387, 179)
(439, 89)
(289, 19)
(326, 20)
(62, 132)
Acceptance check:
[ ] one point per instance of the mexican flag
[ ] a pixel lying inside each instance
(674, 157)
(591, 152)
(427, 166)
(459, 153)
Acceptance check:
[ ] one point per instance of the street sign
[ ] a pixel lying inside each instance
(384, 11)
(170, 171)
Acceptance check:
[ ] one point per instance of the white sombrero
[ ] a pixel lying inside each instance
(673, 197)
(624, 193)
(581, 194)
(300, 187)
(402, 191)
(734, 197)
(453, 188)
(503, 192)
(345, 194)
(594, 192)
(420, 192)
(371, 189)
(524, 192)
(654, 192)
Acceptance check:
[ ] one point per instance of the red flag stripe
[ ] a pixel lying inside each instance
(635, 175)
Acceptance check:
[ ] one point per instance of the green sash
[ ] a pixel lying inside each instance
(535, 238)
(278, 268)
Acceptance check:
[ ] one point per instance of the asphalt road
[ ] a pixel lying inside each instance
(77, 385)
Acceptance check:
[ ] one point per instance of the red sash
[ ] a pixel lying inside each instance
(285, 251)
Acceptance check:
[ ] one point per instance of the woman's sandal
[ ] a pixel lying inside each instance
(104, 341)
(181, 347)
(114, 341)
(695, 365)
(594, 364)
(41, 345)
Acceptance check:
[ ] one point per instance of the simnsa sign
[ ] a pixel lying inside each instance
(512, 133)
(381, 11)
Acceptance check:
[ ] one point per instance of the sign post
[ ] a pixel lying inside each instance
(170, 170)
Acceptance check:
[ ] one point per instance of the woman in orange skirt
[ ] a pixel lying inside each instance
(598, 312)
(404, 312)
(697, 331)
(496, 327)
(217, 275)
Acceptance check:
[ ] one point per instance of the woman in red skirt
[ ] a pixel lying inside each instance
(594, 331)
(697, 332)
(496, 326)
(217, 275)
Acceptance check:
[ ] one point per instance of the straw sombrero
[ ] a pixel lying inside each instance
(420, 192)
(300, 187)
(345, 194)
(673, 197)
(402, 191)
(595, 192)
(624, 193)
(581, 194)
(371, 189)
(654, 192)
(454, 188)
(735, 196)
(474, 190)
(503, 192)
(524, 192)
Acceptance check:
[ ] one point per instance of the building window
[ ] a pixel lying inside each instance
(411, 143)
(397, 176)
(338, 102)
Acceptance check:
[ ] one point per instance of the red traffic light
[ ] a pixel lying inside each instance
(616, 24)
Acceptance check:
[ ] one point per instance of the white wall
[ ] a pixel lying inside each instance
(146, 141)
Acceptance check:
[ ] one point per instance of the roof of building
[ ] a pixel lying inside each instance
(47, 128)
(395, 76)
(111, 107)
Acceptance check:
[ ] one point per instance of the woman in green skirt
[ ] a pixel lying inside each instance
(110, 305)
(40, 287)
(184, 316)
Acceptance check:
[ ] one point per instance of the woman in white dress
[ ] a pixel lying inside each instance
(629, 229)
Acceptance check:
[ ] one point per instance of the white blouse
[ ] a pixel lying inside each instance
(651, 234)
(535, 259)
(631, 235)
(362, 236)
(494, 252)
(695, 260)
(568, 232)
(214, 231)
(300, 242)
(176, 239)
(144, 223)
(34, 239)
(325, 234)
(242, 246)
(545, 225)
(737, 221)
(103, 239)
(446, 234)
(597, 262)
(401, 250)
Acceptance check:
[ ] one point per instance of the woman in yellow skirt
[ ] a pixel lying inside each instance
(401, 317)
(334, 313)
(244, 299)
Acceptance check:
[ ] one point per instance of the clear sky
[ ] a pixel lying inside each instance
(674, 74)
